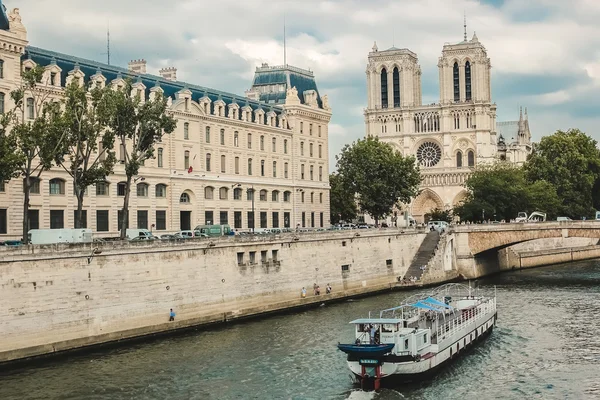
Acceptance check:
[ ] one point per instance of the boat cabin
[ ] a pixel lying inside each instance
(407, 339)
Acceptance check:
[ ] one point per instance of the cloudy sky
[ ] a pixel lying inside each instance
(545, 53)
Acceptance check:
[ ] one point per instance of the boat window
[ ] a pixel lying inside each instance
(406, 344)
(387, 328)
(425, 338)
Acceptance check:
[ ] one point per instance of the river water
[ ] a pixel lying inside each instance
(546, 346)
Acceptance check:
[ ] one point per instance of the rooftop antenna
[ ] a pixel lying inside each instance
(284, 44)
(465, 25)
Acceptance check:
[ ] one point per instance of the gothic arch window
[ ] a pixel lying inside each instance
(456, 82)
(471, 158)
(396, 78)
(468, 81)
(459, 159)
(209, 192)
(429, 154)
(384, 88)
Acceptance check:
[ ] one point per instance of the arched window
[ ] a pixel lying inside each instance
(274, 169)
(262, 167)
(284, 146)
(302, 149)
(142, 190)
(312, 168)
(186, 159)
(223, 193)
(184, 198)
(320, 151)
(121, 186)
(186, 130)
(102, 189)
(57, 186)
(249, 140)
(222, 137)
(249, 166)
(384, 89)
(456, 82)
(468, 81)
(262, 142)
(236, 139)
(207, 162)
(310, 149)
(285, 170)
(287, 196)
(2, 103)
(160, 191)
(237, 194)
(263, 195)
(30, 110)
(223, 164)
(159, 157)
(320, 173)
(207, 139)
(459, 159)
(275, 195)
(209, 193)
(396, 87)
(274, 144)
(471, 158)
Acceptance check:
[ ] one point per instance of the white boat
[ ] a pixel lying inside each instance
(413, 340)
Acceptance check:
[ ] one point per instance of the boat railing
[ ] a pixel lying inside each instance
(471, 316)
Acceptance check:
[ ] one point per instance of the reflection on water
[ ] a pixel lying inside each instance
(545, 346)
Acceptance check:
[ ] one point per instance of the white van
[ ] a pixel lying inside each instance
(51, 236)
(439, 226)
(135, 233)
(563, 219)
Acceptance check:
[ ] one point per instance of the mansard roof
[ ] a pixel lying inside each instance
(508, 130)
(89, 67)
(4, 24)
(288, 76)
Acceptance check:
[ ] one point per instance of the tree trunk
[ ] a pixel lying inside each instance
(26, 190)
(125, 211)
(78, 220)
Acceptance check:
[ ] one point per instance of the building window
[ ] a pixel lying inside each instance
(319, 130)
(303, 219)
(161, 220)
(287, 196)
(285, 146)
(207, 138)
(57, 186)
(237, 194)
(223, 193)
(384, 89)
(286, 220)
(310, 149)
(2, 187)
(249, 166)
(209, 192)
(321, 220)
(321, 198)
(285, 170)
(312, 197)
(142, 219)
(237, 219)
(223, 163)
(237, 165)
(275, 218)
(310, 129)
(122, 152)
(209, 218)
(301, 171)
(320, 173)
(184, 198)
(250, 194)
(120, 220)
(275, 196)
(121, 186)
(160, 158)
(102, 219)
(262, 143)
(82, 220)
(459, 160)
(302, 148)
(274, 144)
(311, 172)
(471, 158)
(57, 219)
(302, 197)
(2, 103)
(274, 169)
(249, 140)
(468, 81)
(320, 151)
(186, 159)
(1, 69)
(186, 130)
(263, 195)
(250, 220)
(223, 217)
(396, 83)
(30, 109)
(142, 190)
(236, 139)
(263, 219)
(312, 219)
(222, 137)
(456, 82)
(207, 162)
(301, 127)
(160, 191)
(262, 167)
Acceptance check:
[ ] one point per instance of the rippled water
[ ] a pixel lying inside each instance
(545, 346)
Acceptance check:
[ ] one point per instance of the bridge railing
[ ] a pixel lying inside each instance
(592, 224)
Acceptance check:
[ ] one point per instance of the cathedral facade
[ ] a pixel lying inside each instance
(450, 138)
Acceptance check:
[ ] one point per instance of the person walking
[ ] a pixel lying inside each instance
(172, 315)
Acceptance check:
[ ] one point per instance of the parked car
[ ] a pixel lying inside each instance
(563, 219)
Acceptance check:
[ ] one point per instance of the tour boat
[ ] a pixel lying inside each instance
(411, 341)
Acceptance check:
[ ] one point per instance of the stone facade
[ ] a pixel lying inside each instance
(224, 147)
(448, 138)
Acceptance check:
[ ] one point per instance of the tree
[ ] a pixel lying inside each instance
(342, 202)
(439, 215)
(137, 125)
(9, 160)
(88, 142)
(379, 176)
(571, 162)
(499, 191)
(35, 133)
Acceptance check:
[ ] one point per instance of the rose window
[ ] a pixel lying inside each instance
(429, 154)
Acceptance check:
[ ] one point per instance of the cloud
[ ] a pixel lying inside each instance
(543, 52)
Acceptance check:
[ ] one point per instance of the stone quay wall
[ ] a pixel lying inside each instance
(61, 297)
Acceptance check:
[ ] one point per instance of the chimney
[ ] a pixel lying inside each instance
(169, 73)
(137, 66)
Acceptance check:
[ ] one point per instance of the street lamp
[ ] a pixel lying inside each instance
(299, 191)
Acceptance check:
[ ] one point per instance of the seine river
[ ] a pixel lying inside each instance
(546, 346)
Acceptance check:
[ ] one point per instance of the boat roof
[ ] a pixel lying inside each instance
(377, 321)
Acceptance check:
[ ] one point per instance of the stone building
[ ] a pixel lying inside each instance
(448, 138)
(271, 146)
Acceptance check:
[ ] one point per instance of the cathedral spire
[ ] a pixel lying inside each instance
(465, 26)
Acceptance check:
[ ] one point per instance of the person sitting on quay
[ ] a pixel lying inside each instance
(303, 293)
(317, 290)
(172, 315)
(328, 289)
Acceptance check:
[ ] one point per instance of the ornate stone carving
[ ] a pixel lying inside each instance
(325, 100)
(291, 96)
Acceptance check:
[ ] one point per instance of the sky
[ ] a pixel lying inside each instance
(545, 54)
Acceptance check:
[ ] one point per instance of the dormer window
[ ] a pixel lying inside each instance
(53, 78)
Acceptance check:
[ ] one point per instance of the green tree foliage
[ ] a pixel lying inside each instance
(342, 203)
(137, 125)
(87, 154)
(499, 191)
(570, 161)
(9, 159)
(35, 133)
(439, 215)
(379, 176)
